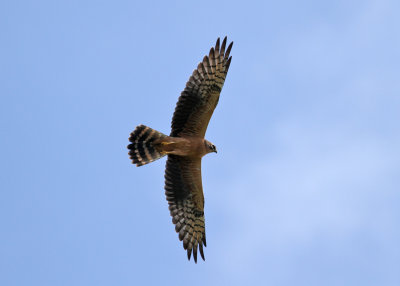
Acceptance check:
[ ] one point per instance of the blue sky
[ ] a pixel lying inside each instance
(304, 189)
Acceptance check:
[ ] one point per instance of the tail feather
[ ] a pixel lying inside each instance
(141, 150)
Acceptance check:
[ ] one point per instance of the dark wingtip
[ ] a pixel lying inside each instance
(228, 63)
(195, 255)
(201, 251)
(217, 45)
(222, 50)
(211, 54)
(228, 50)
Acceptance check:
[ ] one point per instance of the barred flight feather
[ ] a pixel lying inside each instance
(141, 150)
(200, 96)
(188, 219)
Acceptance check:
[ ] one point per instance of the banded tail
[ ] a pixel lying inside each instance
(141, 150)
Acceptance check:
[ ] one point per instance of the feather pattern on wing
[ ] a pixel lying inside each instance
(201, 94)
(184, 192)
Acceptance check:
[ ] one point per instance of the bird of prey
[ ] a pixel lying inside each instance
(185, 146)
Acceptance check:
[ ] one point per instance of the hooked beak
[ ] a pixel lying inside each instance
(215, 150)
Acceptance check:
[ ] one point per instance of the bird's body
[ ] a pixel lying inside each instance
(193, 147)
(185, 146)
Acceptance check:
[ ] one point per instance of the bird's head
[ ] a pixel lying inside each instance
(210, 147)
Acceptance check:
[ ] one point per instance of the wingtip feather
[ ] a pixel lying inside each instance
(228, 50)
(204, 239)
(201, 251)
(222, 51)
(195, 253)
(228, 63)
(217, 45)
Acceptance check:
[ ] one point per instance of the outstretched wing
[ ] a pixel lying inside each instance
(184, 192)
(201, 94)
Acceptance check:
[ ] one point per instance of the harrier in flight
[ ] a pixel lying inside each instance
(185, 147)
